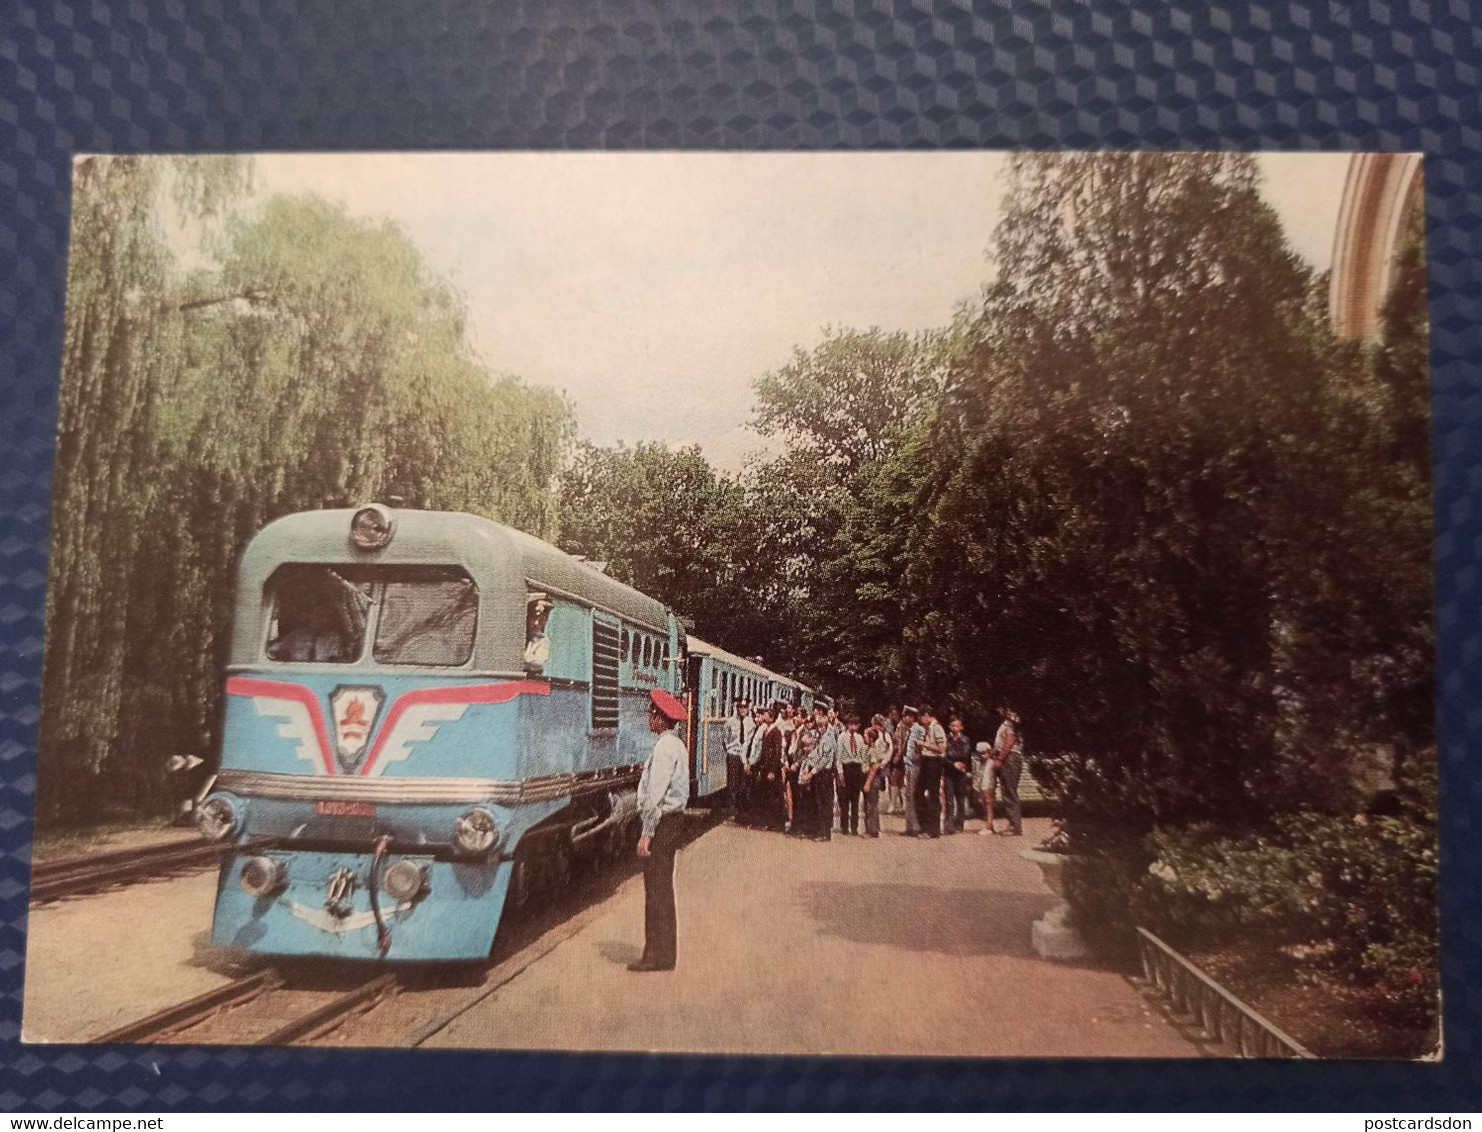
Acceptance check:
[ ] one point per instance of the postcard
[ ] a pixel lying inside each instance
(955, 604)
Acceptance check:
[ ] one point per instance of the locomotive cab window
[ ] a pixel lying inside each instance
(428, 617)
(412, 615)
(316, 614)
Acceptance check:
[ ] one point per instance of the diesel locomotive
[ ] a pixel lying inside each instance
(429, 715)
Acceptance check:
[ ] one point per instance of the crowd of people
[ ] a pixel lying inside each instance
(790, 769)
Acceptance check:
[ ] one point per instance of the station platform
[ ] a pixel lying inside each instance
(895, 946)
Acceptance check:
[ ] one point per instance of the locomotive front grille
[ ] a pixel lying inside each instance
(426, 791)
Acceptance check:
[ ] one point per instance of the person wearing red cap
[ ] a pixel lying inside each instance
(663, 792)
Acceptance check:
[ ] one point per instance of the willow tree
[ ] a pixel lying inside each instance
(121, 344)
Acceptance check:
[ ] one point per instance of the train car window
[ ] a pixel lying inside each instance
(625, 644)
(316, 614)
(538, 608)
(428, 617)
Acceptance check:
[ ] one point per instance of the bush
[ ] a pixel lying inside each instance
(1353, 897)
(1100, 886)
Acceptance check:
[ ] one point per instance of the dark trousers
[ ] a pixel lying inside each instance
(660, 919)
(735, 785)
(928, 798)
(769, 801)
(1008, 780)
(872, 807)
(912, 787)
(849, 799)
(954, 791)
(822, 791)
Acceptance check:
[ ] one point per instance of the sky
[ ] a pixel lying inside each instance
(655, 288)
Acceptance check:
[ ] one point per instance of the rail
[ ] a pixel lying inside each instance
(192, 1012)
(1218, 1012)
(76, 875)
(232, 1012)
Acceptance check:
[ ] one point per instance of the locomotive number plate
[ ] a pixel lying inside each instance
(346, 809)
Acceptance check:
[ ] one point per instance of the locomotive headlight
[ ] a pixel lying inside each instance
(371, 527)
(217, 818)
(263, 876)
(475, 832)
(404, 880)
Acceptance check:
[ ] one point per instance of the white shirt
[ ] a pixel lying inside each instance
(853, 748)
(935, 737)
(739, 730)
(665, 785)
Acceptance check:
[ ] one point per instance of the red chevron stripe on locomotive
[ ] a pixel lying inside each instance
(414, 717)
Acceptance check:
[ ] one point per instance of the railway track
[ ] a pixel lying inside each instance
(262, 1008)
(311, 1002)
(73, 876)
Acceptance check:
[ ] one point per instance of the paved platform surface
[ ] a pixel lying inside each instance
(891, 946)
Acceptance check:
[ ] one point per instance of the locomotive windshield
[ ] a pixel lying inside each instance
(413, 615)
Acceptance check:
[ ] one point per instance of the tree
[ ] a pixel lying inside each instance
(844, 411)
(666, 523)
(1133, 435)
(122, 340)
(849, 401)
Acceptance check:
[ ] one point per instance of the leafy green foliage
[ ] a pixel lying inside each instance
(666, 523)
(1152, 502)
(1159, 494)
(835, 506)
(1354, 897)
(848, 402)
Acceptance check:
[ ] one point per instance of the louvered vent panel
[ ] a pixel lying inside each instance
(605, 645)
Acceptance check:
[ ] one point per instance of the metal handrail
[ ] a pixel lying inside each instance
(1221, 1015)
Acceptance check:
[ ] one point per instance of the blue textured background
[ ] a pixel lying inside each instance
(194, 75)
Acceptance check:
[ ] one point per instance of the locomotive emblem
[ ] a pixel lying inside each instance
(355, 710)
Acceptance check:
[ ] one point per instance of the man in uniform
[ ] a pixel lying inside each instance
(911, 767)
(853, 757)
(751, 753)
(931, 752)
(1008, 759)
(768, 787)
(739, 729)
(955, 768)
(663, 792)
(819, 770)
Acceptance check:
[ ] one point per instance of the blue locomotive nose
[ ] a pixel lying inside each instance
(323, 902)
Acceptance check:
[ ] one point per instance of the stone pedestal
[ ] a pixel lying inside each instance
(1051, 936)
